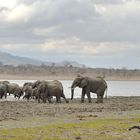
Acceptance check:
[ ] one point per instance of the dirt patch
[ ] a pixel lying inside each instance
(109, 121)
(19, 109)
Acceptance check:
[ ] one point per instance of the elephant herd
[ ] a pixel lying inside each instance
(44, 91)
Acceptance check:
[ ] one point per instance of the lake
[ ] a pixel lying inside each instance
(115, 88)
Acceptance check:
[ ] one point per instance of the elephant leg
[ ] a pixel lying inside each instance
(65, 98)
(58, 99)
(49, 100)
(44, 100)
(1, 96)
(100, 93)
(23, 97)
(15, 95)
(44, 97)
(98, 99)
(83, 96)
(89, 97)
(101, 98)
(38, 97)
(28, 97)
(5, 94)
(38, 100)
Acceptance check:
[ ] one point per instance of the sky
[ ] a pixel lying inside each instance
(97, 33)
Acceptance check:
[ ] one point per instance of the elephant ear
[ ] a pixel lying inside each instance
(84, 82)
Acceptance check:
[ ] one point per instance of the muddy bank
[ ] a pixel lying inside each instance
(108, 121)
(21, 109)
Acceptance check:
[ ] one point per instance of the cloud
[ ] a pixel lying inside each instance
(45, 31)
(76, 46)
(74, 29)
(22, 12)
(97, 21)
(8, 4)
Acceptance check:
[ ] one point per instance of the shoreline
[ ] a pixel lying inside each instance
(46, 77)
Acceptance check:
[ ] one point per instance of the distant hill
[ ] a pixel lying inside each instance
(9, 59)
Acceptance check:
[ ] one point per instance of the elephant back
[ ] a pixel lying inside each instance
(58, 84)
(27, 89)
(27, 84)
(102, 81)
(4, 82)
(3, 88)
(12, 87)
(55, 88)
(37, 83)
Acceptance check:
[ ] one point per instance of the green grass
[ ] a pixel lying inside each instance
(98, 129)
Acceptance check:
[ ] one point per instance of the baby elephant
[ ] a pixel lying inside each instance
(48, 89)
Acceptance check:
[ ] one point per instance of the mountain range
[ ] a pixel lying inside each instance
(9, 59)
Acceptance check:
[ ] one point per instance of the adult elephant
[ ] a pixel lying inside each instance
(48, 89)
(37, 83)
(4, 82)
(3, 90)
(27, 84)
(96, 85)
(28, 92)
(15, 89)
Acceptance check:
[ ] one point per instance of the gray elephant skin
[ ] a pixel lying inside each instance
(95, 85)
(48, 89)
(28, 90)
(3, 90)
(15, 89)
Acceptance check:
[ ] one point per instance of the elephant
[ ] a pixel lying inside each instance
(48, 89)
(3, 90)
(15, 89)
(28, 91)
(34, 93)
(27, 83)
(95, 85)
(4, 82)
(37, 83)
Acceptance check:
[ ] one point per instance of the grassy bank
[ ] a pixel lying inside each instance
(98, 129)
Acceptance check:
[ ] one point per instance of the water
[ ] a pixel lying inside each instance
(115, 88)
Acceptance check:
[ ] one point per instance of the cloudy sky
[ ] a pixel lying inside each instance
(97, 33)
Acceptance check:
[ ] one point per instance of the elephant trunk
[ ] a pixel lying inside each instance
(72, 91)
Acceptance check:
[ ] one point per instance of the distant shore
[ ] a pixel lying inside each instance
(34, 77)
(59, 77)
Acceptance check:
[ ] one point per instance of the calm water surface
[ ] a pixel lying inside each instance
(115, 88)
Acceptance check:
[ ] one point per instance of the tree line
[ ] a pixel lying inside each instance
(70, 71)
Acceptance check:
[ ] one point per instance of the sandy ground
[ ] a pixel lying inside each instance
(30, 114)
